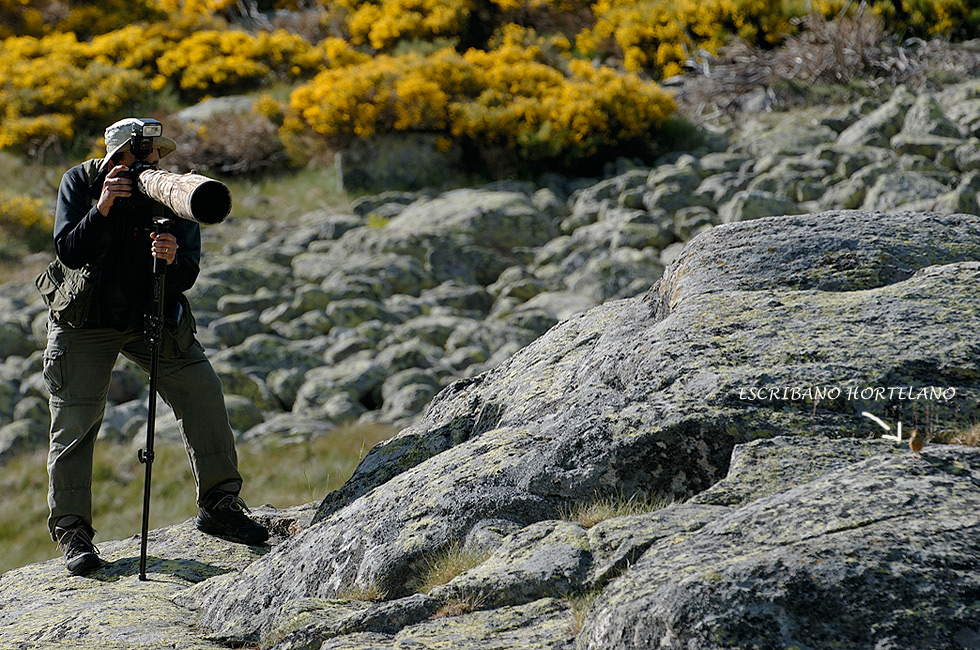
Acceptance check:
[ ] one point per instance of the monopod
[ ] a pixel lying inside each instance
(153, 334)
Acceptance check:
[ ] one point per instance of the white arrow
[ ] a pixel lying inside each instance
(898, 428)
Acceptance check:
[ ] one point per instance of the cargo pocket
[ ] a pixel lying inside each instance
(178, 331)
(54, 368)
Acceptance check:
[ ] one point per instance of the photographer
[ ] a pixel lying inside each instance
(104, 236)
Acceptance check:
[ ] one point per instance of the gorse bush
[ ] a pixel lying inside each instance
(56, 87)
(20, 19)
(542, 113)
(225, 61)
(505, 97)
(659, 36)
(81, 17)
(954, 19)
(382, 23)
(383, 93)
(512, 78)
(138, 47)
(196, 7)
(88, 19)
(51, 85)
(25, 219)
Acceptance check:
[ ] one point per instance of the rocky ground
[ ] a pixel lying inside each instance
(544, 344)
(821, 533)
(412, 291)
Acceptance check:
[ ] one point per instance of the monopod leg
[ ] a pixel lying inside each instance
(153, 333)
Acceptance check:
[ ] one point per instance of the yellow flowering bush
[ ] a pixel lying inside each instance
(951, 18)
(503, 98)
(87, 19)
(57, 86)
(382, 23)
(215, 7)
(520, 90)
(384, 93)
(18, 18)
(217, 61)
(658, 36)
(269, 107)
(50, 86)
(195, 7)
(137, 47)
(339, 53)
(24, 218)
(538, 112)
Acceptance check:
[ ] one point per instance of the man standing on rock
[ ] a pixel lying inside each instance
(104, 281)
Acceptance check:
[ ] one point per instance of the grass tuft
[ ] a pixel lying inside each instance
(580, 605)
(444, 565)
(368, 593)
(590, 513)
(969, 436)
(460, 606)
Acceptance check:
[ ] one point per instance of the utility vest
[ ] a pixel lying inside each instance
(67, 292)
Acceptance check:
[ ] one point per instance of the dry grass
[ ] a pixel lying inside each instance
(969, 436)
(443, 566)
(590, 513)
(580, 606)
(368, 593)
(235, 144)
(460, 606)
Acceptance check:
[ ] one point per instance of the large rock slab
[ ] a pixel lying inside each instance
(879, 549)
(650, 396)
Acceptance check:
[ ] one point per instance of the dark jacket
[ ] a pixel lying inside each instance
(118, 246)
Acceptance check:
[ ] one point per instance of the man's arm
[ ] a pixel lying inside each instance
(80, 231)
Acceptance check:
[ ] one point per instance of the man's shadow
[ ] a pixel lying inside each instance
(157, 568)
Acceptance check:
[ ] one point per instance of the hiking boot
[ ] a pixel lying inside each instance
(75, 541)
(222, 514)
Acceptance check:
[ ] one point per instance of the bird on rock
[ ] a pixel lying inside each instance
(916, 442)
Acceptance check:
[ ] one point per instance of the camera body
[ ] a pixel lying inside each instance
(141, 144)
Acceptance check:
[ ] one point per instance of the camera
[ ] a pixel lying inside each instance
(141, 144)
(190, 196)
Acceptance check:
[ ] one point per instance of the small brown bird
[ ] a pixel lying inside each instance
(916, 442)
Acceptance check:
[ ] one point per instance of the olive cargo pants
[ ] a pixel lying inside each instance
(77, 369)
